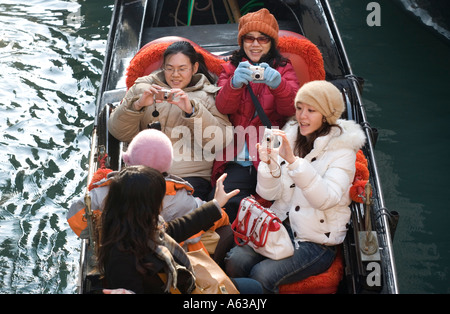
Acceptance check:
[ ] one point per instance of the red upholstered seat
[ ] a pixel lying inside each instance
(149, 58)
(304, 55)
(324, 283)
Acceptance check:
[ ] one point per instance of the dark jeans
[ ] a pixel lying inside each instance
(309, 259)
(238, 177)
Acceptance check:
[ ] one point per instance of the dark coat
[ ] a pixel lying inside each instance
(120, 269)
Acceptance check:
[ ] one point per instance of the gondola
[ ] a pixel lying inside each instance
(367, 266)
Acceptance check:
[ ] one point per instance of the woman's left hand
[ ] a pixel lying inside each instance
(285, 150)
(181, 99)
(220, 195)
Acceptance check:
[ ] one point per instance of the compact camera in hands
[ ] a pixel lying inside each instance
(270, 140)
(164, 94)
(258, 72)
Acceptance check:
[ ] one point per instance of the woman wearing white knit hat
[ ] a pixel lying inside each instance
(309, 177)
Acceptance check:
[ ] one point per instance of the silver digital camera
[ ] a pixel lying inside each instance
(270, 140)
(164, 94)
(258, 72)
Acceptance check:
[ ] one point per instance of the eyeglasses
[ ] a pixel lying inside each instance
(181, 71)
(250, 39)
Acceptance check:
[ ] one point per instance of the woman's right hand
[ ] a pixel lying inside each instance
(220, 195)
(242, 75)
(147, 97)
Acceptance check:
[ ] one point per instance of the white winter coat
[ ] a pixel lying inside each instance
(314, 191)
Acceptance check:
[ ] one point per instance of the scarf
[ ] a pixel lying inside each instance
(175, 259)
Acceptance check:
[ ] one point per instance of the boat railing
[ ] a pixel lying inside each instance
(380, 211)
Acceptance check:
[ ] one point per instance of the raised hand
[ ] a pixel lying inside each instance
(220, 195)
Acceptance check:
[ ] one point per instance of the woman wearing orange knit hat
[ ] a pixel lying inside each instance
(274, 84)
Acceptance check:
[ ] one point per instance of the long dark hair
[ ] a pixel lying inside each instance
(130, 214)
(189, 51)
(304, 145)
(272, 58)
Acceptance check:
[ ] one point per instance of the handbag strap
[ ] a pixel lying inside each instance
(262, 115)
(239, 233)
(264, 227)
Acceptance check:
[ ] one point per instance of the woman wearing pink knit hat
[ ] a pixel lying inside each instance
(274, 83)
(153, 148)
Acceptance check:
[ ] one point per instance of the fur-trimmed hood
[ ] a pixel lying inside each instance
(351, 137)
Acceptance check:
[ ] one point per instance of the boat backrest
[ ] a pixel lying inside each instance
(150, 57)
(303, 54)
(305, 57)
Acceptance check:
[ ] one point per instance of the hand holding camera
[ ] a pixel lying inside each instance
(164, 95)
(174, 96)
(268, 147)
(262, 73)
(242, 75)
(257, 72)
(152, 94)
(269, 76)
(274, 143)
(270, 139)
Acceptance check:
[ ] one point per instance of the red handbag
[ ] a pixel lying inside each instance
(262, 230)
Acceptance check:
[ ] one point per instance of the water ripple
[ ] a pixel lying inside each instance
(49, 73)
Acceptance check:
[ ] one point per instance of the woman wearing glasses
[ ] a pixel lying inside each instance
(180, 97)
(274, 84)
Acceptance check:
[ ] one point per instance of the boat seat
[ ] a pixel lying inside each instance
(323, 283)
(304, 55)
(150, 57)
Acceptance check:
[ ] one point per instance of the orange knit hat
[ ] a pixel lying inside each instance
(261, 21)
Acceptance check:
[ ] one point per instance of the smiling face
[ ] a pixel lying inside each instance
(308, 118)
(255, 49)
(178, 70)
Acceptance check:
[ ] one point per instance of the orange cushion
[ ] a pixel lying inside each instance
(149, 58)
(304, 55)
(324, 283)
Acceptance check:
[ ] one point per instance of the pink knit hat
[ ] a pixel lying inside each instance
(151, 148)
